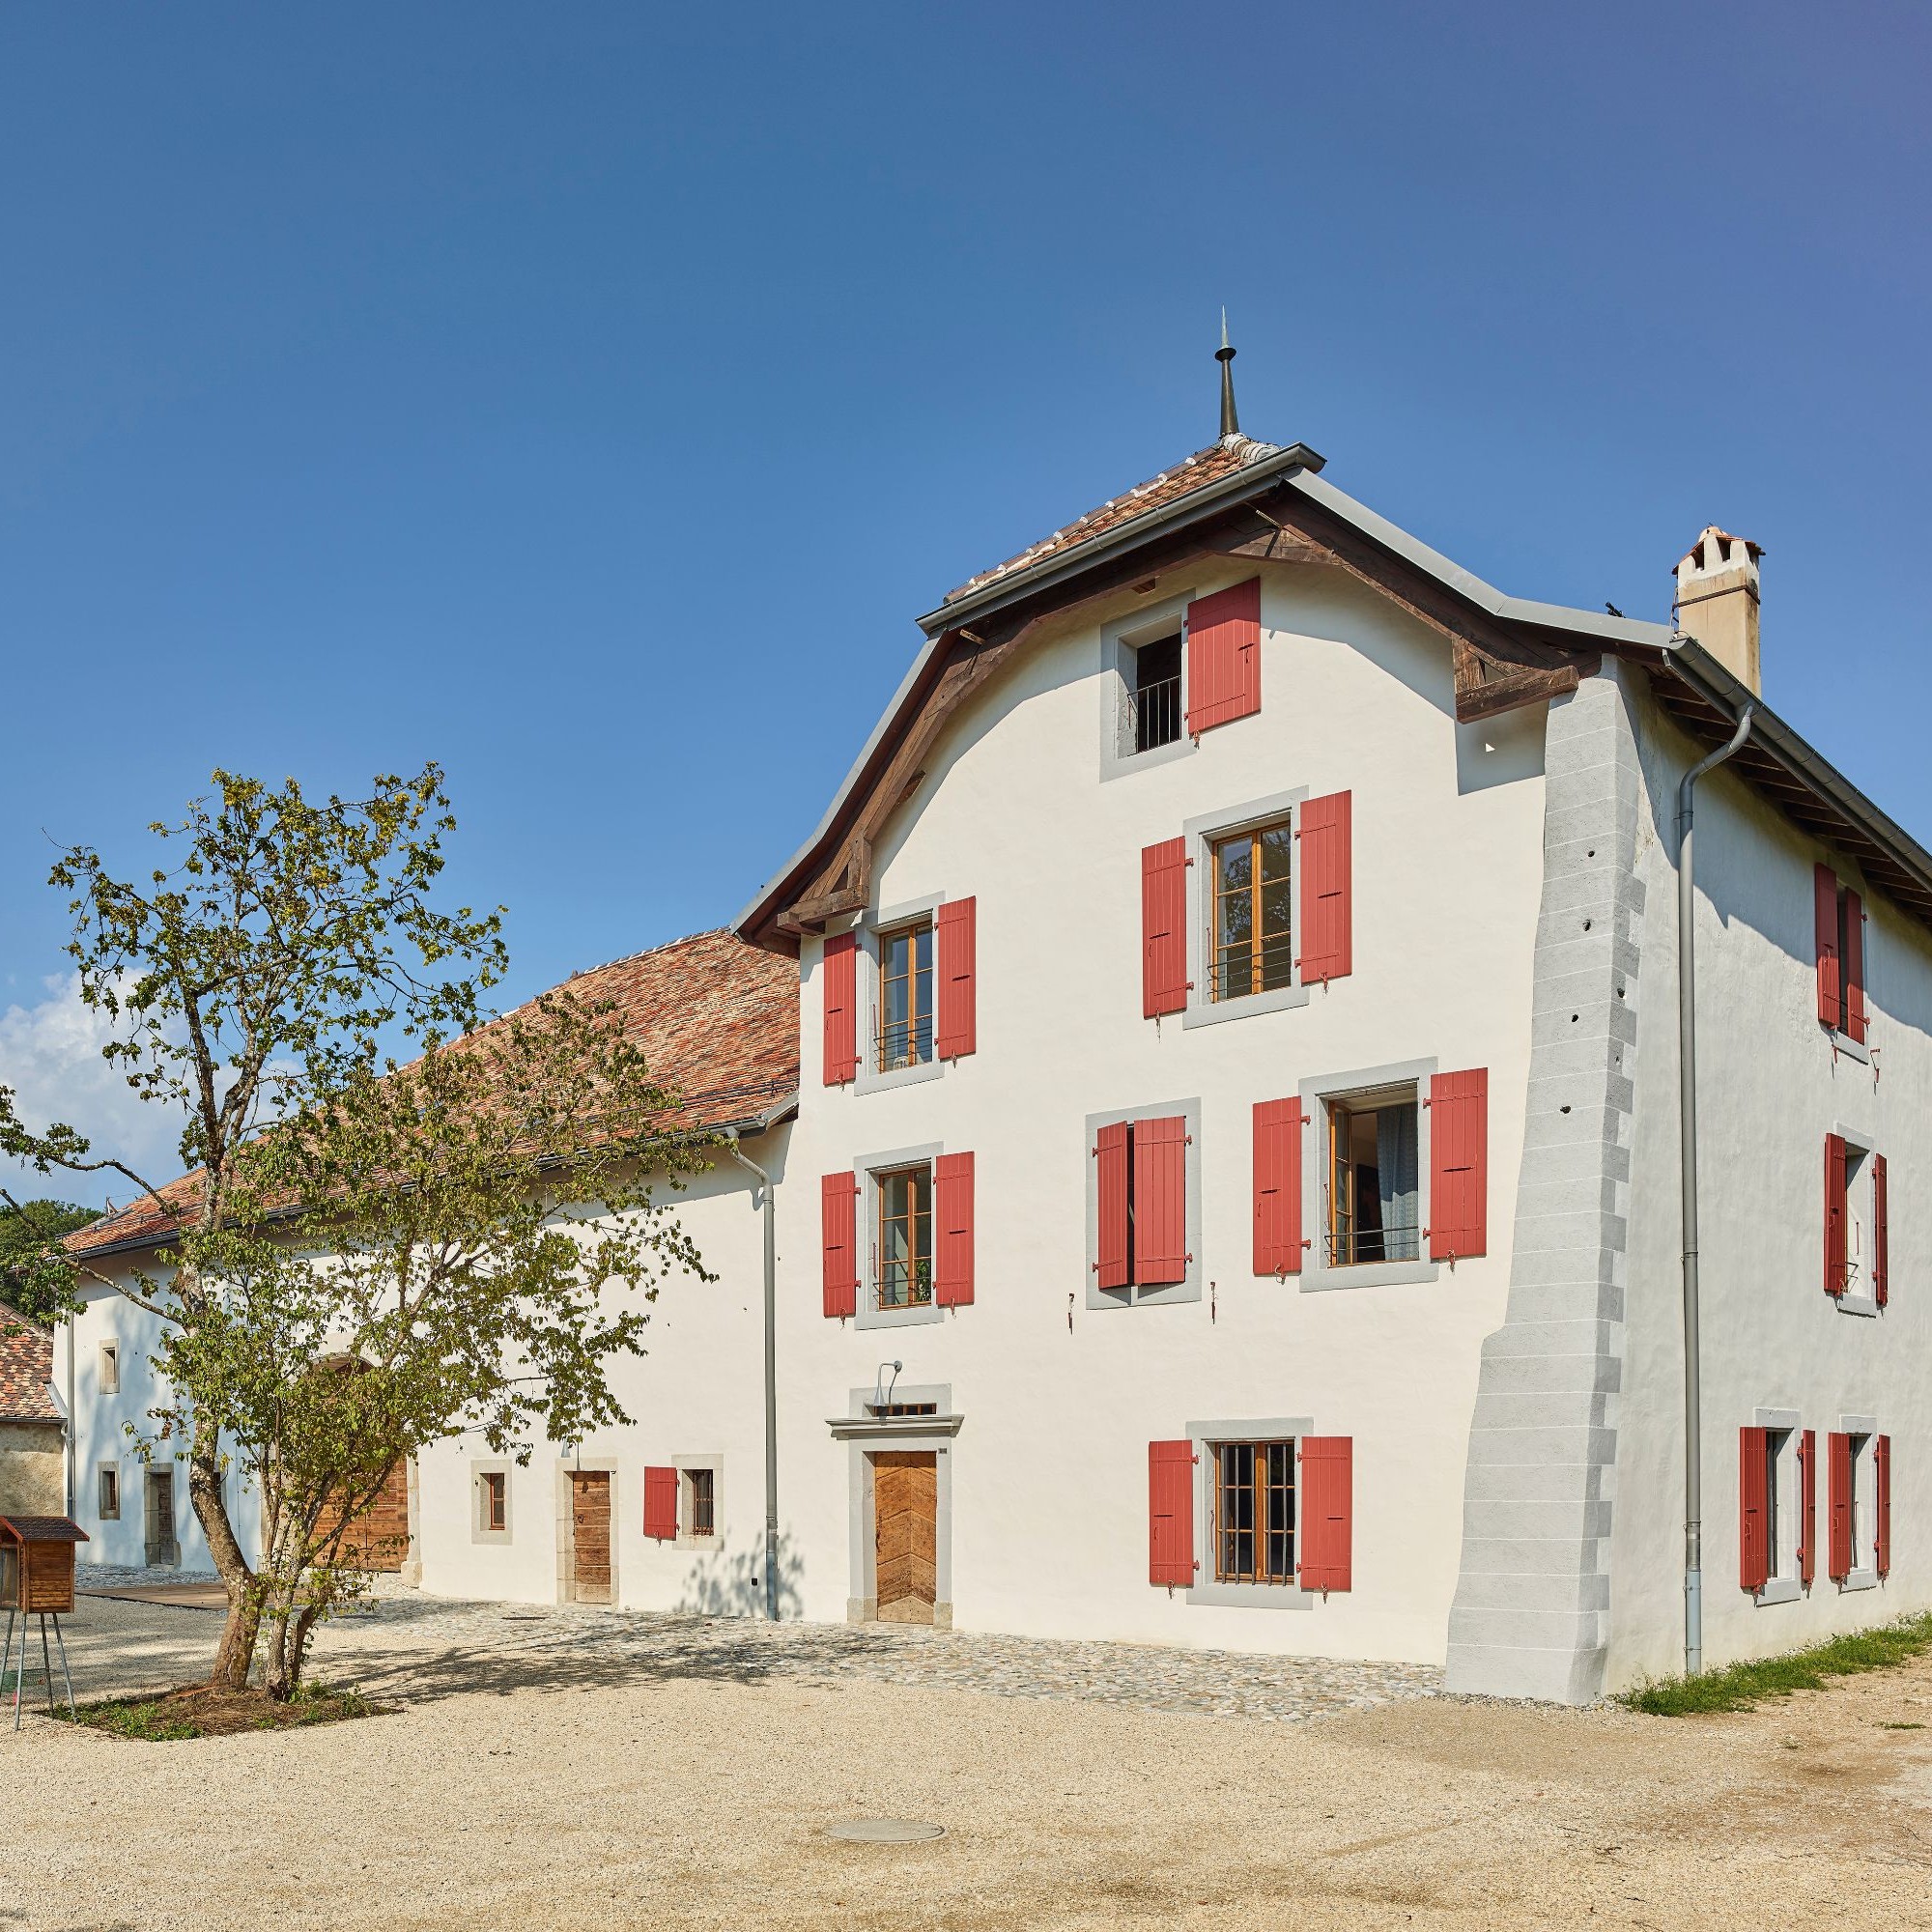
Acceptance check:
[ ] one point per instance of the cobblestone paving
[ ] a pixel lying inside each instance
(470, 1639)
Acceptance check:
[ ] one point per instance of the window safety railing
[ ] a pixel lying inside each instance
(1353, 1245)
(1154, 714)
(904, 1285)
(905, 1044)
(1242, 970)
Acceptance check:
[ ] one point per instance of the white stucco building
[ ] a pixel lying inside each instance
(1230, 1195)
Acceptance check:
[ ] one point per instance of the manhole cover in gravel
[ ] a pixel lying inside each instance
(884, 1830)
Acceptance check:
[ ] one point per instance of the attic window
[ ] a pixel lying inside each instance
(1154, 696)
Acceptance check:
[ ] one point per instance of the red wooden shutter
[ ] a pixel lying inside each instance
(1853, 966)
(1326, 1510)
(1160, 1202)
(1880, 1236)
(841, 1008)
(1326, 831)
(1224, 656)
(661, 1505)
(1753, 1557)
(1110, 1154)
(958, 1018)
(1807, 1506)
(1838, 1497)
(839, 1197)
(1170, 1514)
(1825, 913)
(1278, 1127)
(1835, 1215)
(1459, 1165)
(1881, 1498)
(953, 1230)
(1164, 927)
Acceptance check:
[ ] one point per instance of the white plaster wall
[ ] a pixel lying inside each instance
(1769, 1089)
(1049, 1482)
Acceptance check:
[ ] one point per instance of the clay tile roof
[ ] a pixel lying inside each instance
(1203, 467)
(26, 1366)
(717, 1019)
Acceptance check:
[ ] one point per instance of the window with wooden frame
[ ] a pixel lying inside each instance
(108, 1499)
(905, 997)
(493, 1500)
(701, 1502)
(904, 1252)
(1254, 1511)
(1250, 934)
(1374, 1186)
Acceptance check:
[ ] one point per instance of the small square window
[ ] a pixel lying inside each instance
(492, 1494)
(1250, 938)
(904, 1252)
(1254, 1512)
(1153, 695)
(905, 998)
(701, 1502)
(110, 1368)
(109, 1501)
(1374, 1205)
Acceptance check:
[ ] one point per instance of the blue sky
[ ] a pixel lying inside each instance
(590, 396)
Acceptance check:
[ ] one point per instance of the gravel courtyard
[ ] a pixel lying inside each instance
(569, 1769)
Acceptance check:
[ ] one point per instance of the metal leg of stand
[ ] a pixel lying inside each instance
(46, 1665)
(66, 1674)
(20, 1668)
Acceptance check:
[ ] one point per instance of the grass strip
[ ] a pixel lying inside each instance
(1741, 1687)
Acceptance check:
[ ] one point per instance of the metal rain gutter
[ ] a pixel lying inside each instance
(765, 1182)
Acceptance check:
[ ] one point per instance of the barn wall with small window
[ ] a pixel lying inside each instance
(1022, 806)
(1773, 1086)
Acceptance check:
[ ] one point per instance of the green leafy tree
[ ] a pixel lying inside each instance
(364, 1256)
(28, 1228)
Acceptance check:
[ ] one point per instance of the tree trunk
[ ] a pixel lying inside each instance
(237, 1649)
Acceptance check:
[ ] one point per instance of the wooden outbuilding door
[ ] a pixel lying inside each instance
(162, 1546)
(378, 1539)
(590, 1536)
(905, 1512)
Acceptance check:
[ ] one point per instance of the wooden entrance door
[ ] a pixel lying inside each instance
(905, 1510)
(378, 1539)
(161, 1547)
(590, 1535)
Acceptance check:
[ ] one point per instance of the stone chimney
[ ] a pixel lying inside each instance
(1717, 601)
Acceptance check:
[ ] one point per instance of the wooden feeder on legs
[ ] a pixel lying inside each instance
(37, 1580)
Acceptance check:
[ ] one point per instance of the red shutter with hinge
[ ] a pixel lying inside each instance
(1325, 832)
(1164, 927)
(841, 1008)
(1160, 1202)
(1882, 1504)
(1753, 1557)
(1459, 1165)
(1824, 916)
(1170, 1514)
(1835, 1215)
(1110, 1181)
(1224, 656)
(1881, 1234)
(1853, 966)
(1278, 1127)
(1326, 1509)
(1838, 1498)
(661, 1505)
(953, 1230)
(839, 1197)
(1807, 1506)
(959, 1016)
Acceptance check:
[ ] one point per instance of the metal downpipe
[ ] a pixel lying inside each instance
(1687, 1103)
(771, 1376)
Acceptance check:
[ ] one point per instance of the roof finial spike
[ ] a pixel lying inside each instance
(1230, 423)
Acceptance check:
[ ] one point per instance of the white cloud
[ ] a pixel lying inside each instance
(50, 1056)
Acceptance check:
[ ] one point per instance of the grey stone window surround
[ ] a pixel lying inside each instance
(1861, 1140)
(865, 1434)
(1783, 1585)
(1199, 832)
(1242, 1596)
(1188, 1288)
(109, 1358)
(492, 1465)
(870, 929)
(685, 1538)
(1317, 1275)
(1117, 643)
(104, 1515)
(1865, 1425)
(865, 1170)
